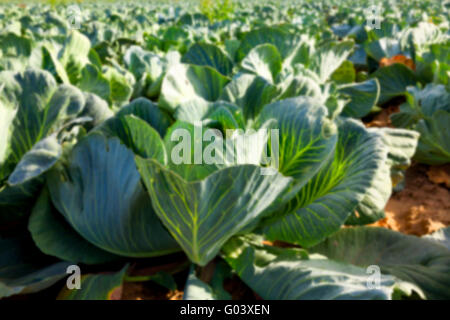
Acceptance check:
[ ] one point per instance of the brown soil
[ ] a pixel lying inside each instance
(239, 290)
(423, 206)
(177, 265)
(148, 291)
(382, 119)
(440, 174)
(151, 291)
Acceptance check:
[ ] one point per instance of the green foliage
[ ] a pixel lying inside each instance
(95, 117)
(217, 10)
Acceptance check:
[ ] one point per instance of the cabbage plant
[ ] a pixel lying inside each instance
(427, 111)
(116, 194)
(115, 144)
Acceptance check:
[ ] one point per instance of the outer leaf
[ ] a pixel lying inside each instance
(7, 114)
(102, 198)
(301, 86)
(430, 99)
(263, 60)
(346, 73)
(148, 111)
(383, 48)
(194, 110)
(24, 269)
(39, 159)
(34, 282)
(290, 274)
(426, 111)
(231, 47)
(412, 259)
(41, 106)
(434, 144)
(203, 54)
(34, 107)
(329, 58)
(401, 145)
(74, 55)
(183, 83)
(203, 215)
(15, 200)
(96, 108)
(363, 97)
(55, 237)
(52, 64)
(121, 85)
(302, 52)
(393, 81)
(306, 136)
(15, 51)
(424, 35)
(14, 45)
(410, 112)
(93, 81)
(250, 93)
(322, 206)
(281, 39)
(140, 62)
(97, 287)
(148, 69)
(227, 114)
(137, 135)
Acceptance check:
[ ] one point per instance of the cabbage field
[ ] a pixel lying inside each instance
(225, 150)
